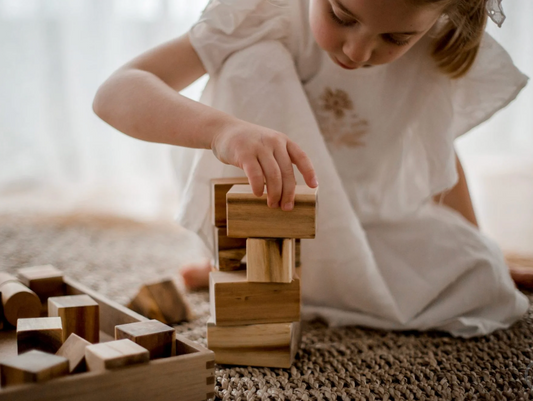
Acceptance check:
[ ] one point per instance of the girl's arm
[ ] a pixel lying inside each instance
(458, 197)
(141, 99)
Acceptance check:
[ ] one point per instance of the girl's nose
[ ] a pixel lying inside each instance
(359, 49)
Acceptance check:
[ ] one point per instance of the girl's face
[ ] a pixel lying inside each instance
(363, 33)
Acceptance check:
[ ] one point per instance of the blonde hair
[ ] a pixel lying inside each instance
(457, 40)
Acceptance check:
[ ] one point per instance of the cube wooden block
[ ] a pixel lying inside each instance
(74, 350)
(248, 216)
(271, 345)
(235, 302)
(162, 301)
(79, 314)
(158, 338)
(230, 259)
(41, 333)
(32, 367)
(18, 301)
(270, 260)
(46, 281)
(219, 188)
(114, 355)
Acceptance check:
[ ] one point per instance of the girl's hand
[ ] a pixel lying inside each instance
(267, 156)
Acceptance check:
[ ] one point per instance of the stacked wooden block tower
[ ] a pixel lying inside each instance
(255, 314)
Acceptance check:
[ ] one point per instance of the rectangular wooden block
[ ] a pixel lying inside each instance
(219, 188)
(74, 350)
(270, 260)
(114, 355)
(235, 302)
(32, 367)
(230, 259)
(158, 338)
(46, 281)
(163, 301)
(248, 216)
(271, 345)
(223, 242)
(79, 314)
(297, 252)
(41, 333)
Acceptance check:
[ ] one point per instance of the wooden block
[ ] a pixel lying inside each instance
(41, 333)
(248, 216)
(18, 301)
(219, 188)
(46, 281)
(32, 367)
(271, 345)
(269, 260)
(231, 259)
(236, 302)
(223, 242)
(297, 252)
(158, 338)
(162, 301)
(74, 350)
(79, 314)
(114, 355)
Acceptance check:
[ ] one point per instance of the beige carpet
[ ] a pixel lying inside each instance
(115, 256)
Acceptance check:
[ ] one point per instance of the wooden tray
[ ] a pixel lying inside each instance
(190, 375)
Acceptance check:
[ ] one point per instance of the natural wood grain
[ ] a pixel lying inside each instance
(74, 350)
(79, 314)
(230, 259)
(41, 333)
(18, 300)
(158, 338)
(297, 252)
(219, 188)
(235, 302)
(223, 242)
(163, 301)
(32, 367)
(269, 260)
(46, 281)
(271, 345)
(249, 216)
(114, 355)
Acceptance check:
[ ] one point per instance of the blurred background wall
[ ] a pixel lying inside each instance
(56, 156)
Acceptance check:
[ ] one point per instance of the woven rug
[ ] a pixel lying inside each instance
(115, 257)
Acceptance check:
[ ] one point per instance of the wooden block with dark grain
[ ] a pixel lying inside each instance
(41, 333)
(46, 281)
(18, 301)
(79, 314)
(270, 260)
(158, 338)
(32, 367)
(219, 188)
(163, 301)
(248, 216)
(230, 259)
(114, 355)
(271, 345)
(74, 350)
(223, 242)
(234, 301)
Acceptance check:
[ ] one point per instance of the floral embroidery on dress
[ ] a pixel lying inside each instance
(338, 121)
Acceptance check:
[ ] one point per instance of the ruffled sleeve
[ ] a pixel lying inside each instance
(227, 26)
(490, 85)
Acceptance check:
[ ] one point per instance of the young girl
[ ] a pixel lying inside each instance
(365, 97)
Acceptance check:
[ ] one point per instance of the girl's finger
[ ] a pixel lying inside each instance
(254, 172)
(303, 163)
(272, 174)
(288, 181)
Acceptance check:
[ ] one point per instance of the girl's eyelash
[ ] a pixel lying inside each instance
(338, 20)
(396, 42)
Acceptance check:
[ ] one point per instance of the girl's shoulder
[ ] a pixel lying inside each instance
(227, 26)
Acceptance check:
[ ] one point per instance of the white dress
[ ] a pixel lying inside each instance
(381, 140)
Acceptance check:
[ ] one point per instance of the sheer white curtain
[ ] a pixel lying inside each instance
(56, 155)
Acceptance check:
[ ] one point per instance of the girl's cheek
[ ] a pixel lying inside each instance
(324, 36)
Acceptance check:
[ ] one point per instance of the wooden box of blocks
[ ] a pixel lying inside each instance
(255, 314)
(126, 364)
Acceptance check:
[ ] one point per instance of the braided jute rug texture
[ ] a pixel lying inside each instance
(115, 256)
